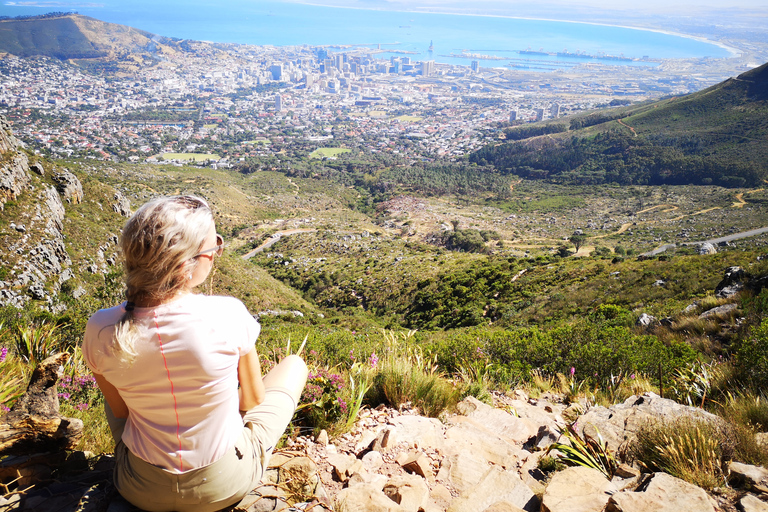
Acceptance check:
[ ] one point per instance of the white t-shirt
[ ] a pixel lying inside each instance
(181, 390)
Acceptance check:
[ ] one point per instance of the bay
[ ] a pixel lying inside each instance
(455, 39)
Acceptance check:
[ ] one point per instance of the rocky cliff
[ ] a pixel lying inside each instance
(34, 258)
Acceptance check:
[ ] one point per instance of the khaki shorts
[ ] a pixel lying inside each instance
(217, 485)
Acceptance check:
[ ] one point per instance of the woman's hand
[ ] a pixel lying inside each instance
(251, 385)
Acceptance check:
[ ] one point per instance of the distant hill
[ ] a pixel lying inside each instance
(715, 136)
(72, 36)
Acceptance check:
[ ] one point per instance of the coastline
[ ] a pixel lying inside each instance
(734, 52)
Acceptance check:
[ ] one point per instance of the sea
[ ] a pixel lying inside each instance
(445, 38)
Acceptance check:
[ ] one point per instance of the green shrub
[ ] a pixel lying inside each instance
(751, 357)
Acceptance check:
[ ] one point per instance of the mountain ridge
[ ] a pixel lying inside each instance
(715, 136)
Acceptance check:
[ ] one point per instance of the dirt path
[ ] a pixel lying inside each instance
(673, 208)
(272, 240)
(622, 123)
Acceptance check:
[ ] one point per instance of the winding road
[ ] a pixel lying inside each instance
(272, 240)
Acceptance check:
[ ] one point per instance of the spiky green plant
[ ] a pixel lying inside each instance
(588, 451)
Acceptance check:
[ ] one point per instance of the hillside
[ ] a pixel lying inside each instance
(715, 136)
(72, 36)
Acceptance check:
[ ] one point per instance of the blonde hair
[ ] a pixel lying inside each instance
(159, 244)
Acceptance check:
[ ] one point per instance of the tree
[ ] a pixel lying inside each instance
(578, 239)
(455, 224)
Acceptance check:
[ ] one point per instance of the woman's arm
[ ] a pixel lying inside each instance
(251, 385)
(112, 396)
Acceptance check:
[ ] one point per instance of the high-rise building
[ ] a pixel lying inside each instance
(278, 102)
(513, 116)
(475, 66)
(428, 68)
(554, 110)
(277, 70)
(539, 114)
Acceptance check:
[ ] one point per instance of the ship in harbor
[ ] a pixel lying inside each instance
(579, 55)
(533, 52)
(599, 56)
(431, 47)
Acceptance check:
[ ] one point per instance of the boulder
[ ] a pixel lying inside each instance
(707, 248)
(121, 205)
(719, 311)
(409, 491)
(496, 485)
(418, 431)
(752, 477)
(732, 283)
(576, 489)
(619, 423)
(750, 503)
(513, 429)
(37, 168)
(662, 493)
(503, 506)
(68, 186)
(646, 320)
(365, 498)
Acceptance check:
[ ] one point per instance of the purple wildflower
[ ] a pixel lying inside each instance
(573, 370)
(373, 360)
(3, 354)
(81, 407)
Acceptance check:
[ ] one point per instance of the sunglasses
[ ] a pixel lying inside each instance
(219, 249)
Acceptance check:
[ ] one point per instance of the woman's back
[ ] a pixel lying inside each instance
(181, 387)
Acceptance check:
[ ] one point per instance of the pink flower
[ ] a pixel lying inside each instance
(573, 370)
(373, 360)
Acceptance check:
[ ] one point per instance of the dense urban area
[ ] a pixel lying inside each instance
(220, 104)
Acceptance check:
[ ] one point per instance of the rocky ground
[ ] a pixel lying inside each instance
(480, 459)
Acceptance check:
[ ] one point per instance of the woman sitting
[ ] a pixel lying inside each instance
(194, 421)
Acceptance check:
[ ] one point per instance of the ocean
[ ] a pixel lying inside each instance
(455, 39)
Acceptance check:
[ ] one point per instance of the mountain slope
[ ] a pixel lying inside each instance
(715, 136)
(72, 36)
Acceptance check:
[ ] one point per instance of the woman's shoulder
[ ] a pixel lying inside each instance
(107, 316)
(219, 303)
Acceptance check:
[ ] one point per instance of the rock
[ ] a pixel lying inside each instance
(462, 470)
(724, 310)
(409, 491)
(496, 485)
(500, 423)
(37, 168)
(420, 432)
(14, 175)
(625, 471)
(753, 477)
(418, 463)
(732, 283)
(382, 441)
(322, 438)
(659, 282)
(619, 423)
(750, 503)
(55, 208)
(69, 187)
(503, 506)
(662, 493)
(646, 320)
(365, 498)
(372, 460)
(707, 248)
(576, 489)
(343, 465)
(121, 205)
